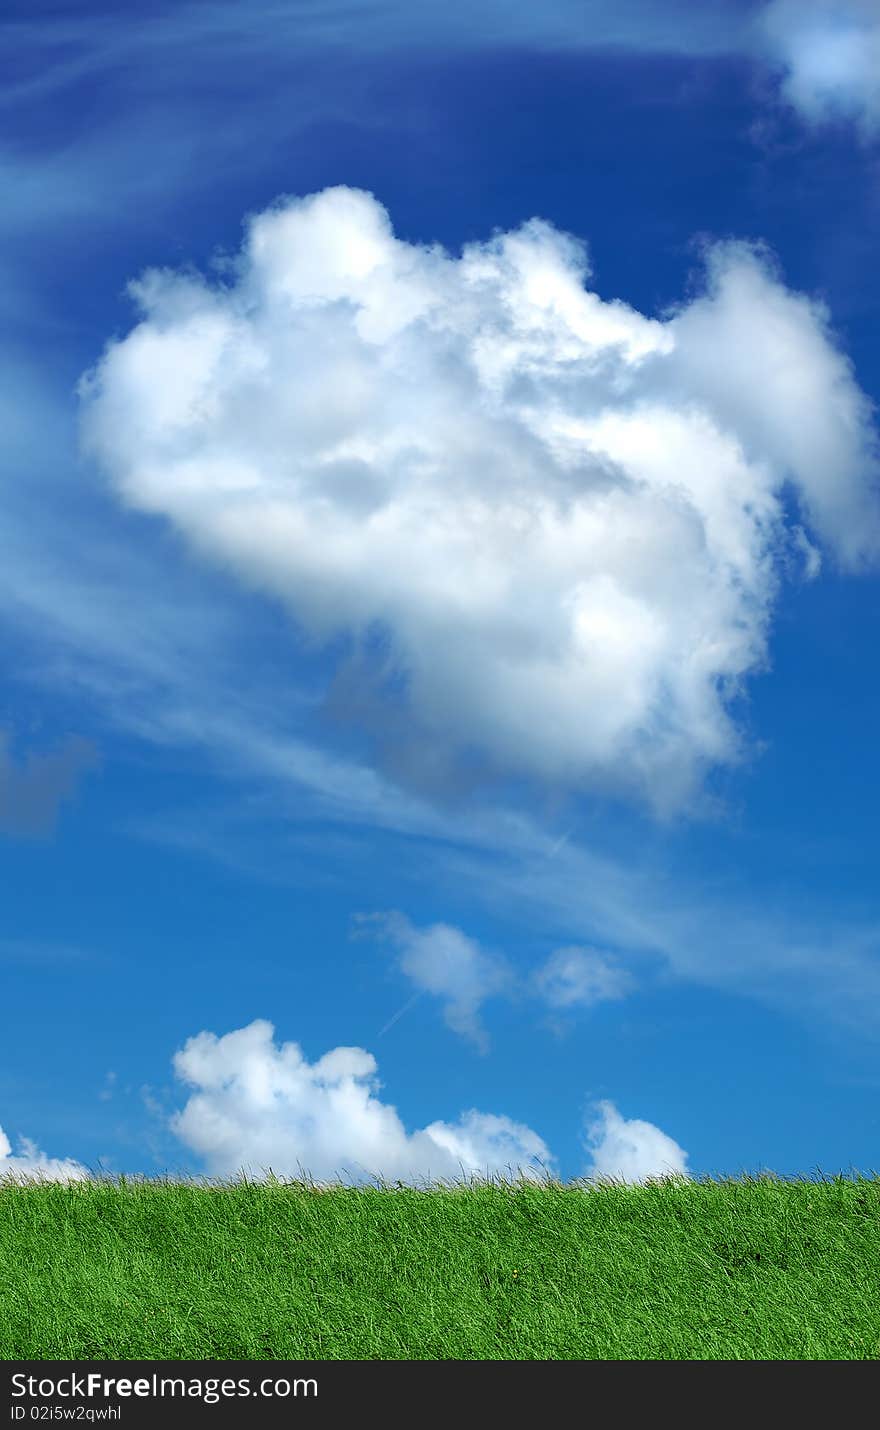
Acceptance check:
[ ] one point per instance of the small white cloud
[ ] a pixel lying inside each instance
(829, 51)
(631, 1151)
(32, 1164)
(812, 557)
(580, 976)
(442, 960)
(549, 526)
(260, 1106)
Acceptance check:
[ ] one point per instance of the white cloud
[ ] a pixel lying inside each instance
(442, 960)
(574, 975)
(829, 51)
(259, 1106)
(631, 1151)
(31, 1164)
(561, 517)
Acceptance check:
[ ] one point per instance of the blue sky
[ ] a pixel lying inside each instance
(440, 582)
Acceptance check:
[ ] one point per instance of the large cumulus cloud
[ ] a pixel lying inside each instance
(257, 1105)
(260, 1106)
(550, 527)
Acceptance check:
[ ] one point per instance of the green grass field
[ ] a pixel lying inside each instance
(752, 1269)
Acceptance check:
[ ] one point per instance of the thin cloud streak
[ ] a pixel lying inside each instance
(267, 34)
(400, 1012)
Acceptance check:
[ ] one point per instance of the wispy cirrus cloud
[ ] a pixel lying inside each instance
(39, 953)
(823, 50)
(813, 963)
(269, 33)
